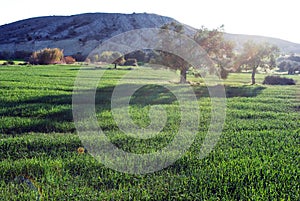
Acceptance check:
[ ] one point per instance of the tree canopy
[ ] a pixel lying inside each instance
(217, 48)
(168, 59)
(255, 55)
(212, 41)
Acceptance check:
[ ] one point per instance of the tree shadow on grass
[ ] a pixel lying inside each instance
(38, 126)
(103, 68)
(243, 91)
(43, 114)
(53, 113)
(230, 91)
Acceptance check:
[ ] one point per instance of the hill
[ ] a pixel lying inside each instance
(75, 34)
(79, 34)
(285, 46)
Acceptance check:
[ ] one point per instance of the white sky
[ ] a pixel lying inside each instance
(275, 18)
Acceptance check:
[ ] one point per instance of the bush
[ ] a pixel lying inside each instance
(23, 64)
(131, 62)
(276, 80)
(139, 55)
(69, 60)
(8, 63)
(79, 57)
(47, 56)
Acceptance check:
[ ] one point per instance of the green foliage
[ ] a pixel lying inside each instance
(212, 41)
(257, 55)
(257, 157)
(217, 48)
(294, 58)
(47, 56)
(290, 64)
(168, 59)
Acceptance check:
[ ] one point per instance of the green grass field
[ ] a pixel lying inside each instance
(256, 158)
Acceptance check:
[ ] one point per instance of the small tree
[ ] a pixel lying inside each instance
(256, 55)
(47, 56)
(116, 57)
(290, 64)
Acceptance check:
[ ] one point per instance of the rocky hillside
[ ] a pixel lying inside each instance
(75, 34)
(79, 34)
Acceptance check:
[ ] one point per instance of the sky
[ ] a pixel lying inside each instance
(275, 18)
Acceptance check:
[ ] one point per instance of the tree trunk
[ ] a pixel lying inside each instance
(253, 76)
(115, 65)
(183, 76)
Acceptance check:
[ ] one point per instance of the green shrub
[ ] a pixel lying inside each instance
(276, 80)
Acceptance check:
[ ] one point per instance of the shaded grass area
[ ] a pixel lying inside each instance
(257, 157)
(44, 104)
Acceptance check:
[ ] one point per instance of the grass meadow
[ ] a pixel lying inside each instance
(256, 158)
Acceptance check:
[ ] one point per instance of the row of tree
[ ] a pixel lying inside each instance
(289, 63)
(252, 57)
(220, 51)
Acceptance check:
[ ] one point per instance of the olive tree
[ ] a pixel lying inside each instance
(255, 55)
